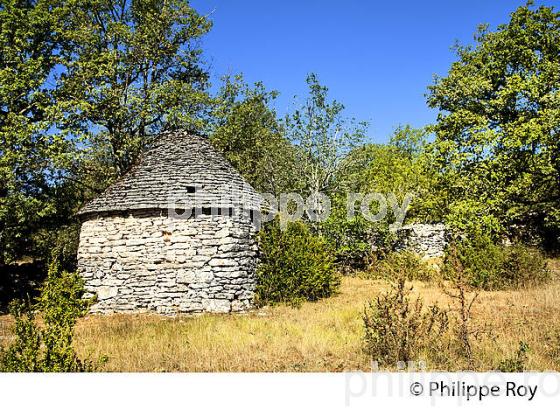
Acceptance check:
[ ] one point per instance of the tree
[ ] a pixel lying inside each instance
(29, 155)
(84, 85)
(322, 137)
(497, 134)
(134, 70)
(401, 167)
(247, 132)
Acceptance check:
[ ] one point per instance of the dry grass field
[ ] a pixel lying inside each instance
(320, 336)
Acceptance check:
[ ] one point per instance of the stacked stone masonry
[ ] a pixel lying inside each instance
(147, 261)
(142, 248)
(427, 240)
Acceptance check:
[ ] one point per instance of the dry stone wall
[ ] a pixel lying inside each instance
(147, 261)
(427, 240)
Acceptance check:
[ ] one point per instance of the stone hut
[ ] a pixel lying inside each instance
(173, 235)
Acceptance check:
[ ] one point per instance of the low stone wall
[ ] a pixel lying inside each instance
(427, 240)
(150, 262)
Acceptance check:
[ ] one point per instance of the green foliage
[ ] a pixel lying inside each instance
(249, 135)
(84, 85)
(397, 265)
(61, 304)
(401, 168)
(133, 69)
(398, 170)
(23, 355)
(470, 217)
(497, 132)
(62, 240)
(491, 266)
(518, 362)
(398, 329)
(295, 265)
(28, 156)
(322, 136)
(525, 266)
(350, 241)
(46, 345)
(350, 238)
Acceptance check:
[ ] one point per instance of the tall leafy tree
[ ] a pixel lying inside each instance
(84, 85)
(402, 167)
(29, 155)
(497, 134)
(134, 70)
(323, 136)
(248, 133)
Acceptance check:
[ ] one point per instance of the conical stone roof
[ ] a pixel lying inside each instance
(180, 171)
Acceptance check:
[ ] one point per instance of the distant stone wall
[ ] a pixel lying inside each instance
(427, 240)
(149, 262)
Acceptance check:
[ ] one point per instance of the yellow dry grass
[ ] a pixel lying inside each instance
(321, 336)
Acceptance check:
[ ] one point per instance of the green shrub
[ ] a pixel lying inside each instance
(491, 266)
(400, 330)
(24, 354)
(403, 264)
(295, 265)
(524, 266)
(351, 241)
(47, 346)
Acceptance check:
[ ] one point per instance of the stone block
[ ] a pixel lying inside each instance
(222, 262)
(216, 305)
(106, 292)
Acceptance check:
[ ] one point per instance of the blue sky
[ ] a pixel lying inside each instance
(376, 57)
